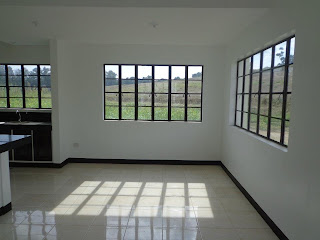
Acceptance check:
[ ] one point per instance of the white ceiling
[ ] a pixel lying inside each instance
(104, 25)
(146, 3)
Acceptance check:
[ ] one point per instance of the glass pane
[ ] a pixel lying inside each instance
(3, 92)
(275, 130)
(2, 70)
(3, 102)
(145, 86)
(177, 114)
(15, 81)
(15, 92)
(2, 80)
(144, 72)
(253, 123)
(31, 92)
(177, 100)
(128, 113)
(239, 102)
(160, 113)
(256, 62)
(32, 103)
(288, 107)
(254, 103)
(246, 103)
(246, 84)
(128, 72)
(263, 126)
(277, 100)
(45, 70)
(290, 79)
(14, 69)
(112, 112)
(128, 99)
(178, 86)
(286, 133)
(194, 114)
(112, 99)
(128, 85)
(30, 70)
(16, 102)
(240, 85)
(161, 72)
(265, 85)
(194, 86)
(112, 85)
(280, 54)
(264, 104)
(245, 120)
(248, 66)
(161, 100)
(46, 92)
(267, 57)
(278, 79)
(255, 83)
(31, 81)
(144, 100)
(292, 48)
(195, 73)
(46, 103)
(161, 86)
(45, 81)
(240, 69)
(144, 113)
(178, 72)
(111, 71)
(194, 100)
(238, 119)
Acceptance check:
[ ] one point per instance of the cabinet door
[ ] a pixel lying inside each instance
(42, 145)
(23, 153)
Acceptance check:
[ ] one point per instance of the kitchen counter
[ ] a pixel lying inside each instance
(25, 123)
(7, 143)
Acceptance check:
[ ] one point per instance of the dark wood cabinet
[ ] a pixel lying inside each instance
(41, 147)
(25, 152)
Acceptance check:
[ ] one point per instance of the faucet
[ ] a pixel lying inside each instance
(17, 112)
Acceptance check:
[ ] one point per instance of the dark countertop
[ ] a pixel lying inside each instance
(9, 142)
(16, 123)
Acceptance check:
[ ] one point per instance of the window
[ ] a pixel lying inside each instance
(25, 86)
(263, 92)
(153, 92)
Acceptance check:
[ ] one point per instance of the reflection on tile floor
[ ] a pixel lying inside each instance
(110, 201)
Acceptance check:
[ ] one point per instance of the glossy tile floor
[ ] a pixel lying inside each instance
(110, 201)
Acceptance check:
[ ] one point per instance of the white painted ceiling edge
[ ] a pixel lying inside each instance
(104, 25)
(146, 3)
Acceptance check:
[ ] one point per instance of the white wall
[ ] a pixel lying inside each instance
(78, 115)
(24, 54)
(285, 184)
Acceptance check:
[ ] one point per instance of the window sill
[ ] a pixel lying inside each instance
(270, 143)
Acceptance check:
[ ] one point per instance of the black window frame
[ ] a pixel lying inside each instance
(23, 76)
(153, 93)
(241, 76)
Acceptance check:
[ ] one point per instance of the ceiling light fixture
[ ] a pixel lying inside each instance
(35, 23)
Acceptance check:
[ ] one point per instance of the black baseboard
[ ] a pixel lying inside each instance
(5, 209)
(36, 165)
(140, 161)
(262, 213)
